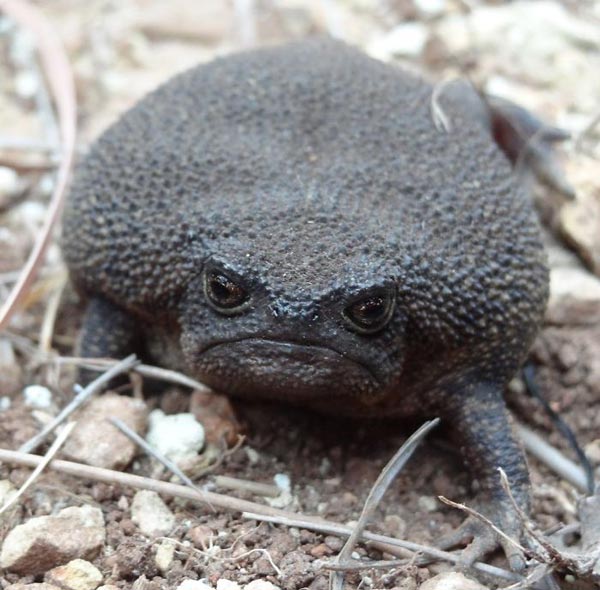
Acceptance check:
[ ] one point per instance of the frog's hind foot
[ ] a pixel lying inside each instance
(480, 539)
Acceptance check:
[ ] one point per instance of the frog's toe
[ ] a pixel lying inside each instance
(479, 540)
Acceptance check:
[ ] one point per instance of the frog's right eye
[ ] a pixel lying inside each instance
(223, 293)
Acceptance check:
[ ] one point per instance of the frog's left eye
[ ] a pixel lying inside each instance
(371, 313)
(223, 293)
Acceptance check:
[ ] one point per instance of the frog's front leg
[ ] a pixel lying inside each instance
(107, 332)
(478, 422)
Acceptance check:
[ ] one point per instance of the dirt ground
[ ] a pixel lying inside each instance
(543, 55)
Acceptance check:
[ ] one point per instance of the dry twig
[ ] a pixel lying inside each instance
(553, 458)
(54, 448)
(62, 88)
(250, 510)
(386, 477)
(83, 395)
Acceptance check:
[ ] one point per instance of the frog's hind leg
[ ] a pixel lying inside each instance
(478, 422)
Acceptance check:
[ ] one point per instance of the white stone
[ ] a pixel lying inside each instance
(431, 7)
(37, 396)
(9, 182)
(75, 575)
(408, 39)
(573, 282)
(261, 585)
(194, 585)
(224, 584)
(151, 514)
(177, 437)
(7, 491)
(165, 553)
(5, 402)
(451, 581)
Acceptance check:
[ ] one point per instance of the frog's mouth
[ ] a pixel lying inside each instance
(283, 370)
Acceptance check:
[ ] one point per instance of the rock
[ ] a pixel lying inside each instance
(10, 370)
(37, 396)
(194, 585)
(580, 225)
(75, 575)
(428, 504)
(48, 541)
(96, 441)
(42, 586)
(224, 584)
(7, 491)
(165, 553)
(574, 297)
(177, 437)
(215, 412)
(431, 8)
(9, 186)
(406, 40)
(260, 585)
(151, 514)
(544, 42)
(451, 581)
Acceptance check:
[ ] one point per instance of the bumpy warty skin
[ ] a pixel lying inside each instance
(311, 173)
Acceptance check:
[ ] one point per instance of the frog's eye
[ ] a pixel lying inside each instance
(223, 294)
(371, 313)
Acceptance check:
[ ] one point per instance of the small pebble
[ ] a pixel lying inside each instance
(194, 585)
(37, 396)
(428, 504)
(224, 584)
(451, 581)
(261, 585)
(75, 575)
(151, 514)
(165, 553)
(176, 437)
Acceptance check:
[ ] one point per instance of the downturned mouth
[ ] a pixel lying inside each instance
(283, 369)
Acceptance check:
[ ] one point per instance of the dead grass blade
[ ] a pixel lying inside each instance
(62, 89)
(83, 395)
(386, 477)
(54, 448)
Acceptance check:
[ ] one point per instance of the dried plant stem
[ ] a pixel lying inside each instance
(553, 458)
(54, 448)
(62, 89)
(386, 477)
(250, 510)
(149, 371)
(83, 395)
(243, 485)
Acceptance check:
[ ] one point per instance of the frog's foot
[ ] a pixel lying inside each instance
(529, 142)
(480, 539)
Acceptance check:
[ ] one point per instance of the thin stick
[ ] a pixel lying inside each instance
(172, 467)
(93, 388)
(249, 510)
(243, 485)
(386, 477)
(97, 364)
(144, 483)
(47, 329)
(54, 448)
(62, 88)
(331, 528)
(553, 458)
